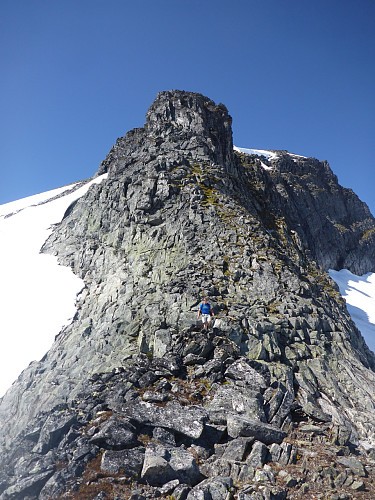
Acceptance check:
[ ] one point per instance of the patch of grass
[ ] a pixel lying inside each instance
(91, 483)
(340, 227)
(145, 439)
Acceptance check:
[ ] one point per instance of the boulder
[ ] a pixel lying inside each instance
(258, 455)
(266, 433)
(237, 449)
(116, 433)
(213, 488)
(354, 465)
(230, 398)
(129, 462)
(187, 420)
(54, 428)
(241, 370)
(162, 342)
(163, 464)
(28, 487)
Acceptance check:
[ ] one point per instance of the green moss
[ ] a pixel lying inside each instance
(211, 196)
(272, 308)
(340, 227)
(367, 234)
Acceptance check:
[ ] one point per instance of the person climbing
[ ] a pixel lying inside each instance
(206, 311)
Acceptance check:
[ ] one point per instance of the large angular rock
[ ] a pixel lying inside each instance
(233, 399)
(130, 462)
(242, 371)
(237, 449)
(217, 467)
(27, 487)
(162, 342)
(187, 420)
(258, 455)
(53, 430)
(239, 426)
(215, 488)
(354, 464)
(163, 464)
(116, 433)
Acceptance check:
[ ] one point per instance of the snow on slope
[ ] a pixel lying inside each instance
(37, 295)
(269, 155)
(359, 293)
(15, 206)
(259, 152)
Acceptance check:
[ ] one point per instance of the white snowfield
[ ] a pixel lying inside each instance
(37, 295)
(359, 293)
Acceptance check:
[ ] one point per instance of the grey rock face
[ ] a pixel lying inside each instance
(181, 216)
(176, 121)
(322, 217)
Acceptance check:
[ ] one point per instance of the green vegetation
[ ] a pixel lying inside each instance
(367, 234)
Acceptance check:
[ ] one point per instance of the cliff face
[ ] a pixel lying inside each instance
(180, 216)
(331, 222)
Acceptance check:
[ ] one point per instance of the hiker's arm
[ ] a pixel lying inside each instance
(199, 311)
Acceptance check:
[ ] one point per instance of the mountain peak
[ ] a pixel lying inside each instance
(188, 112)
(185, 125)
(133, 382)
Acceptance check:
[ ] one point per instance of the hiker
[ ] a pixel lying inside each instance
(206, 311)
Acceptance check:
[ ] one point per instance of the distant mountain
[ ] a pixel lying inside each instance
(134, 400)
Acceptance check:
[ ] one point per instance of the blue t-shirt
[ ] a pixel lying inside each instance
(205, 308)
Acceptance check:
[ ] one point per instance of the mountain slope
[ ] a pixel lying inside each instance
(181, 216)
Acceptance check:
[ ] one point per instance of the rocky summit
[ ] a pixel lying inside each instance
(134, 400)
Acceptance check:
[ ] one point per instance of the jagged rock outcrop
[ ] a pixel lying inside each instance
(132, 395)
(328, 220)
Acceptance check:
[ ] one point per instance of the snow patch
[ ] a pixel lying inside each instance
(259, 152)
(15, 206)
(359, 293)
(296, 156)
(266, 167)
(270, 155)
(37, 295)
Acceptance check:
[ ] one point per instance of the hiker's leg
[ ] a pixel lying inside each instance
(204, 321)
(208, 322)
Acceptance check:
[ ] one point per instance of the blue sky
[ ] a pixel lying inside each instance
(294, 74)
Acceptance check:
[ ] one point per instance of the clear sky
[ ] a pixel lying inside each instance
(76, 74)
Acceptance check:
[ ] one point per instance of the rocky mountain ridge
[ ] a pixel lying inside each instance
(134, 394)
